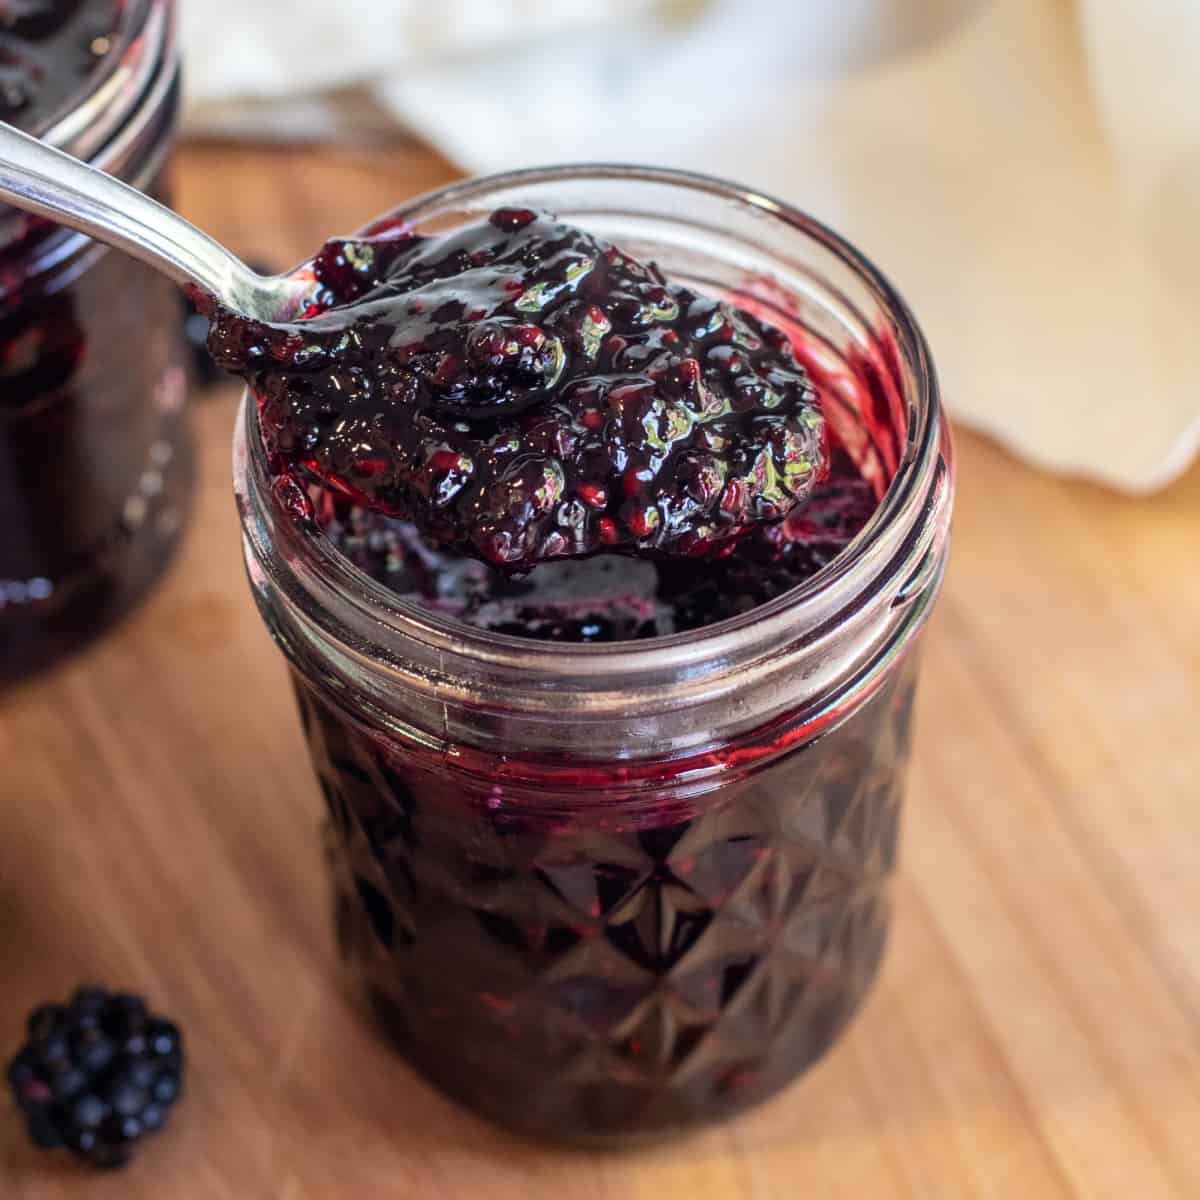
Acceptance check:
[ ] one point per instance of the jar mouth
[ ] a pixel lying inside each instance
(899, 537)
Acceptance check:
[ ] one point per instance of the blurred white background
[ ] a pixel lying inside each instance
(1027, 171)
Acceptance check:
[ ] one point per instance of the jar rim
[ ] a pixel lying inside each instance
(105, 124)
(331, 607)
(923, 438)
(145, 35)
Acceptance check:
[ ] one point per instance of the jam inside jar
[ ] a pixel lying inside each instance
(608, 892)
(95, 462)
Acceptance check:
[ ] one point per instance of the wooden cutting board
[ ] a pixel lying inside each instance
(1035, 1034)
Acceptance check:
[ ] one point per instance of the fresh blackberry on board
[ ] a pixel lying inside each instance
(97, 1074)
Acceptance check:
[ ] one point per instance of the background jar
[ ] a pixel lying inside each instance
(611, 891)
(95, 463)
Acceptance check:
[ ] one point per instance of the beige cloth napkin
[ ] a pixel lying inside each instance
(1028, 171)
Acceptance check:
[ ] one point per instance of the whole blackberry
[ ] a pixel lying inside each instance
(97, 1074)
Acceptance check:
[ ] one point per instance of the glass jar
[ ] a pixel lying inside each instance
(605, 892)
(95, 463)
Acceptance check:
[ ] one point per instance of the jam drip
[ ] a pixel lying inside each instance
(522, 391)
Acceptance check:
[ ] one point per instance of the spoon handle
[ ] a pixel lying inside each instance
(40, 179)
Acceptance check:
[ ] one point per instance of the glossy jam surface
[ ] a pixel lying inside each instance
(522, 391)
(48, 51)
(589, 963)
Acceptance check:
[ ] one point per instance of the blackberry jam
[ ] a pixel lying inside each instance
(525, 391)
(611, 841)
(94, 457)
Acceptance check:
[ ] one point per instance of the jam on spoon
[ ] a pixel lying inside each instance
(522, 391)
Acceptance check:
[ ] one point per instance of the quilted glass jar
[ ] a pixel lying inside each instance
(608, 892)
(95, 461)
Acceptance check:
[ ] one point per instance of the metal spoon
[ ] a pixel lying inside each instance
(40, 179)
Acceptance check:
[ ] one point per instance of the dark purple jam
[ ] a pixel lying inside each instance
(94, 458)
(598, 951)
(567, 958)
(95, 465)
(522, 391)
(48, 51)
(524, 430)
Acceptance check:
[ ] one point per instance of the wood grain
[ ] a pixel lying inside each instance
(1036, 1032)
